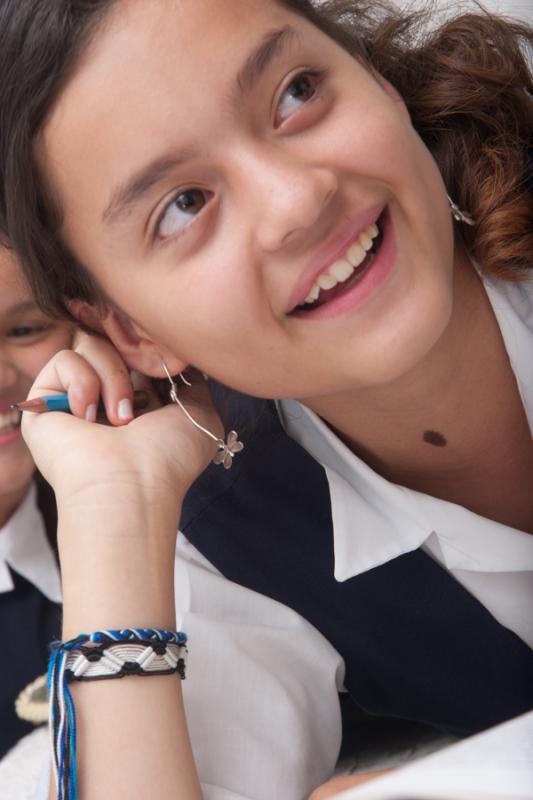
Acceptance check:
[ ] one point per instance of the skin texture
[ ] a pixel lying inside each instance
(212, 286)
(27, 341)
(277, 194)
(272, 178)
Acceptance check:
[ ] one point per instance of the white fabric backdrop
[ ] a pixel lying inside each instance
(517, 8)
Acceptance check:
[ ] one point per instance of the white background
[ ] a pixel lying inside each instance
(518, 8)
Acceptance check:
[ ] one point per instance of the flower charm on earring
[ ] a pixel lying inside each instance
(458, 215)
(226, 449)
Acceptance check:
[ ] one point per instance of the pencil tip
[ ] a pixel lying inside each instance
(28, 405)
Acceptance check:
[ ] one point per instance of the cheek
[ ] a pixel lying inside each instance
(371, 131)
(34, 357)
(376, 142)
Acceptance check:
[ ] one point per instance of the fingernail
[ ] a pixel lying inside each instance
(125, 411)
(90, 413)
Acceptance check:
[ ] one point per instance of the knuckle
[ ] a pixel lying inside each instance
(64, 355)
(117, 371)
(87, 381)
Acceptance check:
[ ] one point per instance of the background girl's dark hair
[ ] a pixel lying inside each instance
(467, 84)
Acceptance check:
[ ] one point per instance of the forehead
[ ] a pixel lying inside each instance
(154, 73)
(166, 53)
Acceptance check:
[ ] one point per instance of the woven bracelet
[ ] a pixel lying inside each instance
(116, 659)
(99, 656)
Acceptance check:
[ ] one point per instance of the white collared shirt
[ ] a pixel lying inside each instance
(493, 561)
(262, 730)
(25, 548)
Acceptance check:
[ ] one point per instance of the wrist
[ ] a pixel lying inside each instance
(117, 564)
(124, 590)
(110, 505)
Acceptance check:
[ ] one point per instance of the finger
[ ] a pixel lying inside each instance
(69, 372)
(114, 376)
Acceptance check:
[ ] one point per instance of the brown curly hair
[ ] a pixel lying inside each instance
(468, 86)
(467, 83)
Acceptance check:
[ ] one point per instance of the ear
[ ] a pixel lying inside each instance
(88, 316)
(137, 349)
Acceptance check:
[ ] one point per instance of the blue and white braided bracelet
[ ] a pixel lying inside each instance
(97, 656)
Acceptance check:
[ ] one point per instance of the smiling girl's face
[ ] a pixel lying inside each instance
(28, 340)
(221, 163)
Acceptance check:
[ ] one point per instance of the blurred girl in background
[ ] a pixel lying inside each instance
(321, 205)
(30, 590)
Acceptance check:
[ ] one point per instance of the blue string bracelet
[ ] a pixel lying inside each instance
(99, 656)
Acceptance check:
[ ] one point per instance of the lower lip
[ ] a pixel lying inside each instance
(375, 275)
(9, 438)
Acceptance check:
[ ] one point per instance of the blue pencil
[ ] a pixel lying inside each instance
(59, 402)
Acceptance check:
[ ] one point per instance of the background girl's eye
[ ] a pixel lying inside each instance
(299, 91)
(26, 331)
(184, 207)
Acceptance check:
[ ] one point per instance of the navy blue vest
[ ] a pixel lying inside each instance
(416, 644)
(28, 623)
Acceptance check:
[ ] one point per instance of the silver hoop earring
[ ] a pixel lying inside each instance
(458, 215)
(226, 449)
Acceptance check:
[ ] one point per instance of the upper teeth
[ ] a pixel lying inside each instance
(9, 420)
(341, 270)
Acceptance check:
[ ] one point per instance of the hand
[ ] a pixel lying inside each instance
(155, 456)
(341, 784)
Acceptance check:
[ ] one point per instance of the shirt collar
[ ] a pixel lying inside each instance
(25, 548)
(375, 520)
(512, 304)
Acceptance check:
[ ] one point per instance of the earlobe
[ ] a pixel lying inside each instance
(137, 349)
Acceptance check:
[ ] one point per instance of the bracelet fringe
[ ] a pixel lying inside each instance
(97, 656)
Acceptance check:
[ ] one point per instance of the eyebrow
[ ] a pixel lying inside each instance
(129, 193)
(271, 46)
(25, 305)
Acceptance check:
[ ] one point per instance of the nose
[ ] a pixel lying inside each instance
(289, 196)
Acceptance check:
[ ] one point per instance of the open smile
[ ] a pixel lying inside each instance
(9, 426)
(348, 278)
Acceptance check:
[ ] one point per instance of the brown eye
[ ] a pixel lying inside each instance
(298, 92)
(302, 88)
(191, 201)
(181, 211)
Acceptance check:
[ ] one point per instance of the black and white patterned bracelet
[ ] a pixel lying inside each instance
(118, 659)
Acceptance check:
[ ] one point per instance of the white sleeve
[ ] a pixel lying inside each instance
(261, 693)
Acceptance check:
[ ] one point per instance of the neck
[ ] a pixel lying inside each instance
(427, 426)
(9, 504)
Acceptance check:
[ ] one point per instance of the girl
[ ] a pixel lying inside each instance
(323, 206)
(29, 576)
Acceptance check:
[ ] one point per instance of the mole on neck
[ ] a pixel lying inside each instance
(435, 438)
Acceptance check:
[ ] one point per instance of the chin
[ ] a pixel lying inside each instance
(404, 340)
(16, 470)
